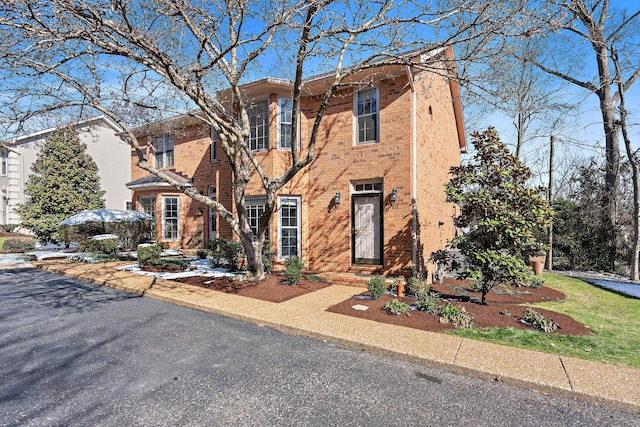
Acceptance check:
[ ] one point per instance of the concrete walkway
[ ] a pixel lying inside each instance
(305, 315)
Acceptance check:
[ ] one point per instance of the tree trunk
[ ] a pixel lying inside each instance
(611, 199)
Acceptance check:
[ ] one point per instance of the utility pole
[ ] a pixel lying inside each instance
(549, 262)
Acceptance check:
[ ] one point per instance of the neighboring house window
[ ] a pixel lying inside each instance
(163, 146)
(170, 218)
(255, 209)
(285, 106)
(259, 126)
(289, 227)
(4, 155)
(214, 142)
(367, 115)
(128, 205)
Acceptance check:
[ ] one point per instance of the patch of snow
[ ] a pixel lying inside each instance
(105, 237)
(202, 268)
(360, 307)
(106, 215)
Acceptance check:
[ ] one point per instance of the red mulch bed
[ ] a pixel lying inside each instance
(273, 288)
(461, 294)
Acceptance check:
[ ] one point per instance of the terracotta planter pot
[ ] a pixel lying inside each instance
(400, 289)
(537, 262)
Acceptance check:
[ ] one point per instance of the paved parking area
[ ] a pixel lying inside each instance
(73, 353)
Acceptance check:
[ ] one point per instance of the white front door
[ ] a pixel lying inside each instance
(366, 229)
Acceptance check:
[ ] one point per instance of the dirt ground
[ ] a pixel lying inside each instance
(503, 307)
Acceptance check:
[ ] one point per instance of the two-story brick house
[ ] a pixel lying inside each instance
(372, 200)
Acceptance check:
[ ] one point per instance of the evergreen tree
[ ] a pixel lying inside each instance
(63, 182)
(499, 213)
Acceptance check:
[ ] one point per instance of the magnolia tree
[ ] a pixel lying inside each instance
(499, 214)
(140, 61)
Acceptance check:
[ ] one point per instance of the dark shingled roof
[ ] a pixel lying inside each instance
(152, 180)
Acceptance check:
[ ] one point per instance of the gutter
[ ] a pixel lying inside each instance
(414, 173)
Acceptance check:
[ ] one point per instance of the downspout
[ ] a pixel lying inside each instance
(414, 162)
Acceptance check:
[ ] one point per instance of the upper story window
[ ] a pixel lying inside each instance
(163, 146)
(214, 142)
(285, 107)
(4, 156)
(259, 124)
(366, 105)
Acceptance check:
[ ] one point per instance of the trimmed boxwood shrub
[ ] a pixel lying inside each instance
(149, 254)
(104, 245)
(19, 244)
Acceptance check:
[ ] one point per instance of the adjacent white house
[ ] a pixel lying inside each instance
(111, 154)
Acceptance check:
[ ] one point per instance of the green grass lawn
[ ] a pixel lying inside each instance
(615, 319)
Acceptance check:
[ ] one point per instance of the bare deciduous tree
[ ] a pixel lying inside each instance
(135, 61)
(586, 30)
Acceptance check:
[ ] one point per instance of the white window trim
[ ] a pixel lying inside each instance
(279, 125)
(164, 219)
(298, 201)
(355, 117)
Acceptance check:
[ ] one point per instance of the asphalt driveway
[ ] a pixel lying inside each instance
(73, 353)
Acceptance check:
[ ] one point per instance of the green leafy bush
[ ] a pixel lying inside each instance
(225, 253)
(149, 254)
(397, 307)
(293, 269)
(267, 256)
(102, 245)
(19, 244)
(377, 286)
(540, 321)
(458, 316)
(8, 228)
(415, 285)
(203, 253)
(427, 301)
(536, 283)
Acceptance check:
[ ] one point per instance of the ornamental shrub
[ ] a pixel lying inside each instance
(19, 244)
(293, 269)
(377, 286)
(397, 307)
(104, 245)
(149, 254)
(540, 321)
(415, 285)
(427, 301)
(225, 253)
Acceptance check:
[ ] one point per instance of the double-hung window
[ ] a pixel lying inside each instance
(289, 227)
(4, 158)
(255, 209)
(285, 107)
(259, 126)
(170, 218)
(366, 105)
(163, 147)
